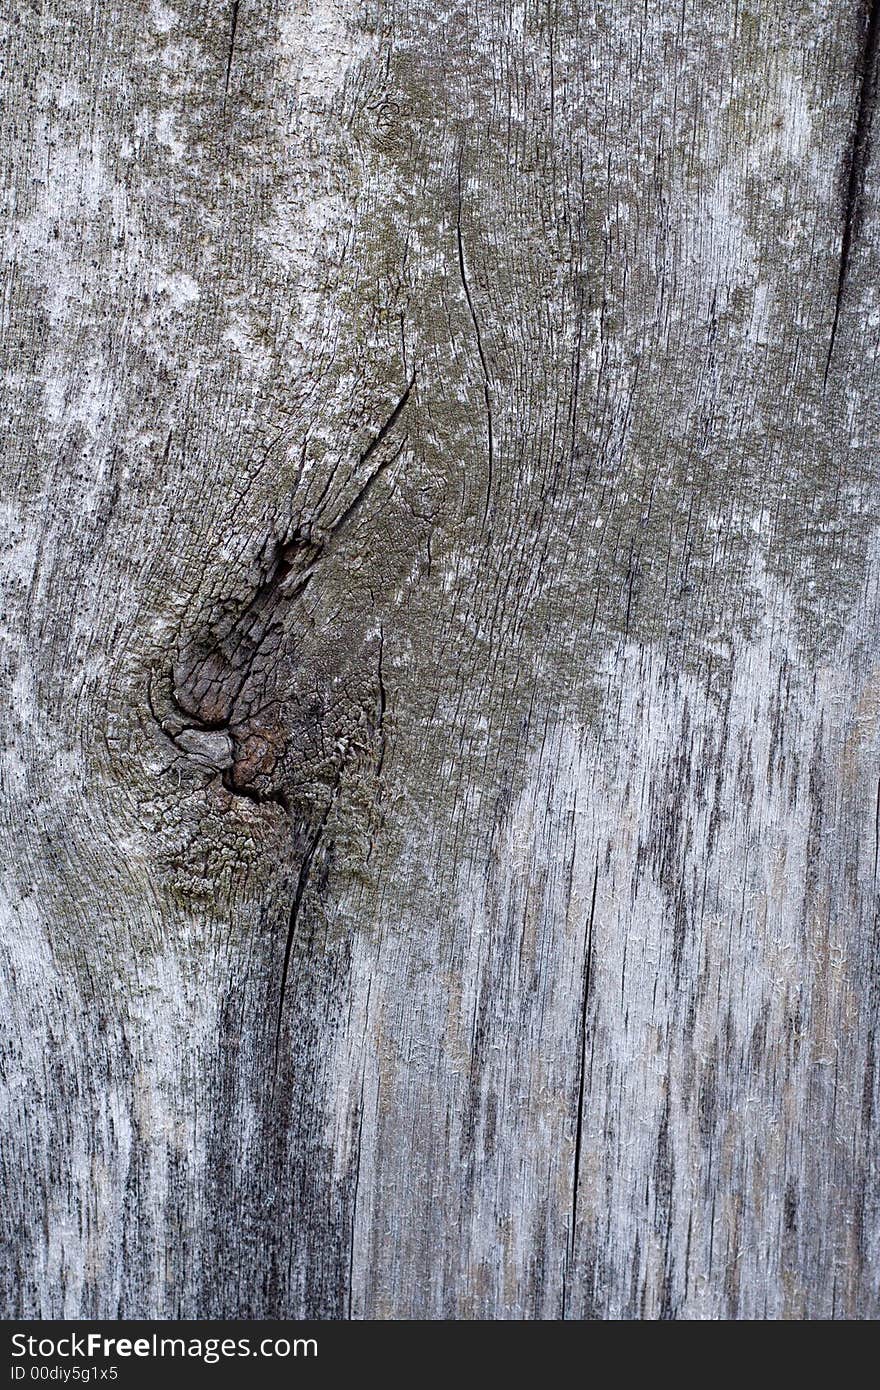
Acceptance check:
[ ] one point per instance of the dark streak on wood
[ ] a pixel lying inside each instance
(856, 159)
(232, 31)
(383, 704)
(579, 1121)
(487, 390)
(302, 884)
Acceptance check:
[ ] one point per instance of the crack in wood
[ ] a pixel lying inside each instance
(233, 28)
(302, 884)
(576, 1172)
(357, 1171)
(487, 395)
(383, 704)
(275, 797)
(856, 161)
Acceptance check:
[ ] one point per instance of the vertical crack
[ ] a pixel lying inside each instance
(576, 1172)
(302, 884)
(233, 27)
(357, 1172)
(354, 1199)
(383, 704)
(487, 391)
(856, 163)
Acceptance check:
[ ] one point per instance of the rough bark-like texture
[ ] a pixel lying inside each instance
(441, 773)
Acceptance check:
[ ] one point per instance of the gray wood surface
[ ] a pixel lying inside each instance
(441, 749)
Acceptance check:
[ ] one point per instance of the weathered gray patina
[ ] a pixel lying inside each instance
(441, 774)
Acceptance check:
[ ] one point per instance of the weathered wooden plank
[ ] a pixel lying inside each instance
(440, 779)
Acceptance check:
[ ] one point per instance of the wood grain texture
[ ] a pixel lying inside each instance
(441, 755)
